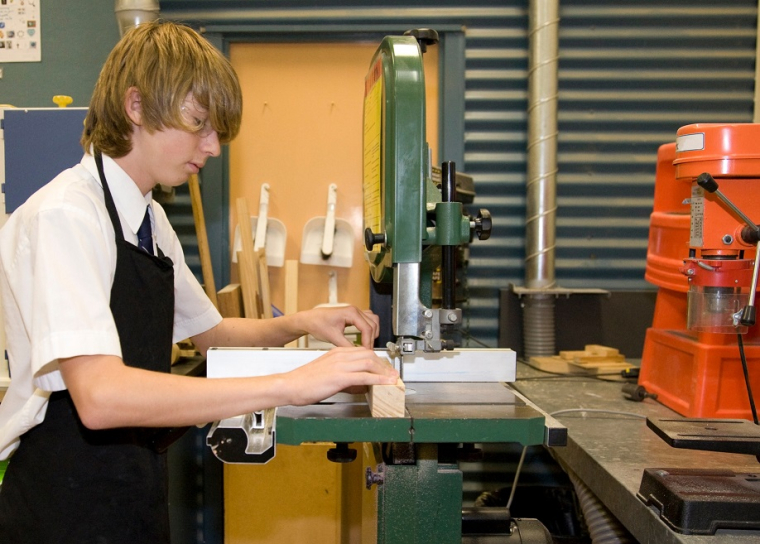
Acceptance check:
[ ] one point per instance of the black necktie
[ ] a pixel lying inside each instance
(144, 236)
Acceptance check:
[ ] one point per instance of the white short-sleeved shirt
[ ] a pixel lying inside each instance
(57, 265)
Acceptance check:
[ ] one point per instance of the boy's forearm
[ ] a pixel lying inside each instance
(242, 332)
(109, 394)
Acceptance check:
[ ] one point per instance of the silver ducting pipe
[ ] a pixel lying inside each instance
(541, 190)
(130, 13)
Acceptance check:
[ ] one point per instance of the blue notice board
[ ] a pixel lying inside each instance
(39, 144)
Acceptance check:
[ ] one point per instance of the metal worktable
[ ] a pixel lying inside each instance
(609, 452)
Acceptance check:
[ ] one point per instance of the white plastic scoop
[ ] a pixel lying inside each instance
(328, 240)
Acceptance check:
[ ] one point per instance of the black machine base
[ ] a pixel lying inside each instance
(703, 501)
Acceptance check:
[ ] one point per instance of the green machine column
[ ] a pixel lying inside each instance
(420, 503)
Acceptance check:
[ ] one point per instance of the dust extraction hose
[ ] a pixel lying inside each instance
(602, 526)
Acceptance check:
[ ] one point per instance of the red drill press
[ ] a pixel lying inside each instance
(702, 257)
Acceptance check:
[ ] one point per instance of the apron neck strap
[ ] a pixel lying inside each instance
(110, 206)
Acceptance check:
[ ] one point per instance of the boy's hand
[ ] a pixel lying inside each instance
(329, 323)
(350, 369)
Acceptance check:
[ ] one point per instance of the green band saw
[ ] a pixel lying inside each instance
(409, 221)
(456, 398)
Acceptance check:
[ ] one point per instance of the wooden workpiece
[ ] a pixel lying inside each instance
(387, 400)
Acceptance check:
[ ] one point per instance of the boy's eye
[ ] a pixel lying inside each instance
(201, 127)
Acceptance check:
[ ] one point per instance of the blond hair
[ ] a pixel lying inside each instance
(164, 61)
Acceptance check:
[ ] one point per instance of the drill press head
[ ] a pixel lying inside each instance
(722, 164)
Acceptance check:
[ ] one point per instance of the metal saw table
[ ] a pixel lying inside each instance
(436, 413)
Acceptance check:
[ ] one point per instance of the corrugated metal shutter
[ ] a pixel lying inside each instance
(495, 134)
(631, 74)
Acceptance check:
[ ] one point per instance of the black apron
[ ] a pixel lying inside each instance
(68, 484)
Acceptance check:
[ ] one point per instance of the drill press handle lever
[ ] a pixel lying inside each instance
(750, 235)
(708, 183)
(748, 312)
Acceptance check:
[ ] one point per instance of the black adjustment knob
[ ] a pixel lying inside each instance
(371, 239)
(424, 37)
(341, 453)
(707, 182)
(750, 235)
(483, 224)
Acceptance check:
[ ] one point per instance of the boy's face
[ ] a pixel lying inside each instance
(170, 156)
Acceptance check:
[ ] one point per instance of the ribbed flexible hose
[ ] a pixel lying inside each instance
(602, 526)
(538, 326)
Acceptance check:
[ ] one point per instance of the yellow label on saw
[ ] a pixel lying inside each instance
(373, 132)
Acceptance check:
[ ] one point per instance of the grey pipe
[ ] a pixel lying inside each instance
(541, 194)
(130, 13)
(541, 187)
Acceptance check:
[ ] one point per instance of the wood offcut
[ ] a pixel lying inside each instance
(387, 400)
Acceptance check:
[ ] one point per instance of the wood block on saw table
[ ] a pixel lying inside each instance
(387, 400)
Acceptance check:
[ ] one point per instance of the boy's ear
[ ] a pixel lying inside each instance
(133, 105)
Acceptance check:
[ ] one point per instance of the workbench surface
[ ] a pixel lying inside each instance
(609, 452)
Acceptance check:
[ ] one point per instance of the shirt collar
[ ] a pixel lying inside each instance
(129, 201)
